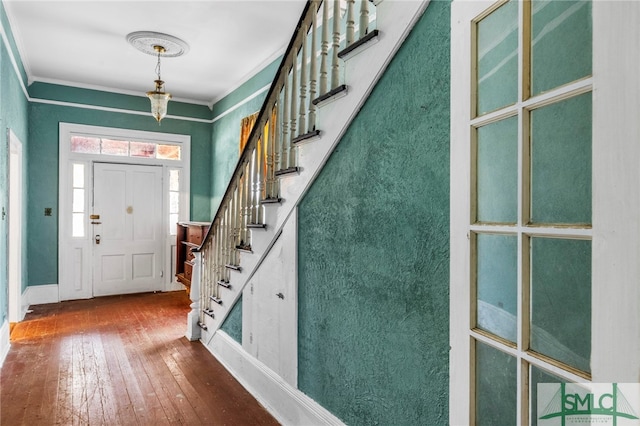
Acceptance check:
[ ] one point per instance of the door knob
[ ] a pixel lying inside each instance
(280, 295)
(98, 239)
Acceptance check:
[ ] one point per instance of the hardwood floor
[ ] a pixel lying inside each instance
(120, 360)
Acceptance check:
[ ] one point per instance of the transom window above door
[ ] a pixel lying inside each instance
(123, 148)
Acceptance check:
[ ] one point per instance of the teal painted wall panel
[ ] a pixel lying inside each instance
(56, 92)
(44, 119)
(232, 325)
(4, 21)
(13, 115)
(226, 128)
(260, 80)
(374, 248)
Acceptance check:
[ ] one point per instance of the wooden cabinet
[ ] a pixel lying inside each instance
(189, 236)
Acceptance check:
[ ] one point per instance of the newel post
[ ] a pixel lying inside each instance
(193, 329)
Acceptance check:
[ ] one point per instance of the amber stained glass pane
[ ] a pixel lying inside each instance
(169, 152)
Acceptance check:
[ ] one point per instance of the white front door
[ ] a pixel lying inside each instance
(127, 229)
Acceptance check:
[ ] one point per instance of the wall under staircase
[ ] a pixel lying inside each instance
(266, 362)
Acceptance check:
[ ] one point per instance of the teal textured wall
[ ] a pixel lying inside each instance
(13, 115)
(78, 95)
(44, 119)
(227, 114)
(374, 248)
(232, 325)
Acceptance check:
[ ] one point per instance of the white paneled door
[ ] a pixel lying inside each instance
(127, 229)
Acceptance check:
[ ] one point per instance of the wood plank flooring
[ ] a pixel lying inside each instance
(120, 360)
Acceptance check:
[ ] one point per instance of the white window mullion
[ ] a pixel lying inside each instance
(522, 409)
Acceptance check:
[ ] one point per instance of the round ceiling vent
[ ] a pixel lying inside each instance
(146, 41)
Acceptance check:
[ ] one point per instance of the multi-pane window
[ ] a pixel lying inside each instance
(103, 146)
(78, 209)
(174, 199)
(530, 198)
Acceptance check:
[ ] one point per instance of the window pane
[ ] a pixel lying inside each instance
(174, 202)
(497, 56)
(497, 172)
(173, 220)
(561, 43)
(561, 162)
(169, 152)
(496, 387)
(77, 225)
(174, 180)
(111, 147)
(78, 200)
(497, 306)
(78, 176)
(85, 145)
(561, 300)
(536, 377)
(142, 149)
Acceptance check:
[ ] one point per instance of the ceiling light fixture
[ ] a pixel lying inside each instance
(158, 44)
(158, 97)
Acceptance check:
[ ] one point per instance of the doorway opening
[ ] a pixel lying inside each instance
(14, 228)
(121, 194)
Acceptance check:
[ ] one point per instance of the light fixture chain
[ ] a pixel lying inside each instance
(158, 67)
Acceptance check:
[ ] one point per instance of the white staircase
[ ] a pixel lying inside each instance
(360, 70)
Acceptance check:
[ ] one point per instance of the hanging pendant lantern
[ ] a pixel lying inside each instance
(158, 97)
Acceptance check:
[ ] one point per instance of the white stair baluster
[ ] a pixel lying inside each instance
(303, 82)
(313, 73)
(260, 151)
(324, 50)
(274, 128)
(363, 28)
(246, 201)
(292, 123)
(335, 66)
(284, 154)
(351, 22)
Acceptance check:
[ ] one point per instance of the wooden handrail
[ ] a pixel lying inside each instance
(258, 127)
(286, 117)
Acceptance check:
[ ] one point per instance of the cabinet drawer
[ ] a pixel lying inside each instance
(190, 256)
(188, 270)
(195, 234)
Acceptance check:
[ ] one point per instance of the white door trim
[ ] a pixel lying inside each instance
(14, 228)
(75, 253)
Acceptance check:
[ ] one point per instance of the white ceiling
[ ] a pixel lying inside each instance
(83, 43)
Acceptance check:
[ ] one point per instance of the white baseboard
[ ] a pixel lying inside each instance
(174, 286)
(41, 294)
(4, 341)
(287, 404)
